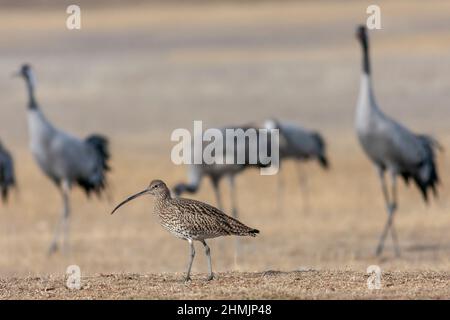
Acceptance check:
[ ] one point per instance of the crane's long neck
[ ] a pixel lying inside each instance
(367, 110)
(32, 104)
(366, 96)
(365, 56)
(40, 129)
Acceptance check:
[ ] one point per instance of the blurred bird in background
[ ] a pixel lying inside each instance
(299, 144)
(7, 176)
(65, 159)
(391, 146)
(216, 171)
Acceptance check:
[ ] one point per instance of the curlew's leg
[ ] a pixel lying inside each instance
(215, 183)
(63, 221)
(390, 208)
(191, 260)
(208, 255)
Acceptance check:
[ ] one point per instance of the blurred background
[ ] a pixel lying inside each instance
(139, 69)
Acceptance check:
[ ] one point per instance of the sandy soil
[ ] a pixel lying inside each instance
(305, 284)
(136, 73)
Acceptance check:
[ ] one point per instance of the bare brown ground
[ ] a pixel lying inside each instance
(136, 73)
(308, 284)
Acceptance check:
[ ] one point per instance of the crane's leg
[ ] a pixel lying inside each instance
(390, 207)
(234, 212)
(191, 260)
(392, 210)
(215, 184)
(303, 186)
(208, 255)
(280, 192)
(66, 221)
(62, 223)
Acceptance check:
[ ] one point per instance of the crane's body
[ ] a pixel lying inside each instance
(7, 175)
(391, 146)
(297, 142)
(65, 159)
(62, 156)
(191, 220)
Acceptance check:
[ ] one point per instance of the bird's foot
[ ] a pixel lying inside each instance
(52, 249)
(210, 277)
(187, 279)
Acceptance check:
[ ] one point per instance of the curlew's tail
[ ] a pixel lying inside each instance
(97, 181)
(237, 228)
(233, 227)
(244, 231)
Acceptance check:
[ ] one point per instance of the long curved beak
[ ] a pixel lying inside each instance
(130, 198)
(16, 74)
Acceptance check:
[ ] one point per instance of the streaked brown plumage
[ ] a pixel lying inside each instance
(191, 220)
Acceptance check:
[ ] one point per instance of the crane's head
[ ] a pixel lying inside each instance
(26, 72)
(156, 188)
(361, 35)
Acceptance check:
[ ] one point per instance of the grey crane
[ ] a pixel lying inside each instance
(392, 147)
(300, 144)
(65, 159)
(297, 142)
(191, 220)
(7, 176)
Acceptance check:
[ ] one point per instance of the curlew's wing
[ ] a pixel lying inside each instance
(205, 219)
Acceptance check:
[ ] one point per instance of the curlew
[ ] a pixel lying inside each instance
(392, 147)
(65, 159)
(191, 220)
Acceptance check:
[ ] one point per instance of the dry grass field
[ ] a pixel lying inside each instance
(137, 72)
(300, 284)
